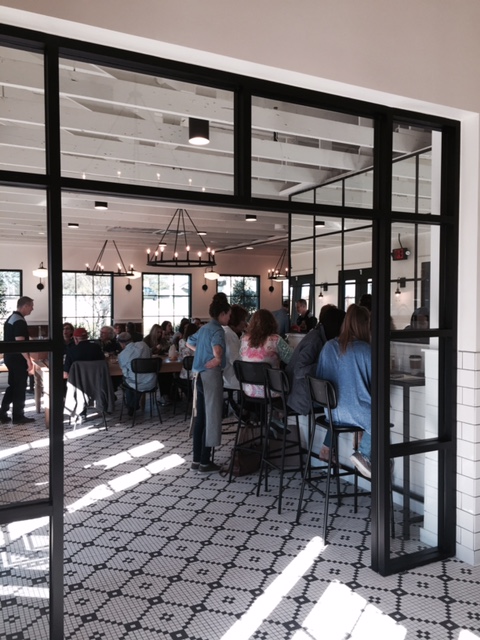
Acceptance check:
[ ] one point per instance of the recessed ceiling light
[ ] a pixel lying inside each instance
(202, 233)
(319, 223)
(73, 225)
(250, 217)
(248, 248)
(103, 206)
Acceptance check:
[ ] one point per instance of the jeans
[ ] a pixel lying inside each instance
(201, 453)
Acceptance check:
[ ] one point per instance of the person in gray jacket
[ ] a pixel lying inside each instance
(305, 357)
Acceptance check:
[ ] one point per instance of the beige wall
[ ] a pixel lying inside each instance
(422, 49)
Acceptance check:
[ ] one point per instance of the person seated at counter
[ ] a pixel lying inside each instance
(83, 349)
(305, 320)
(183, 348)
(262, 343)
(233, 332)
(156, 341)
(108, 342)
(145, 381)
(305, 357)
(346, 362)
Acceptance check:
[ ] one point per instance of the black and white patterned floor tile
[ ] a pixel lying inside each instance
(156, 550)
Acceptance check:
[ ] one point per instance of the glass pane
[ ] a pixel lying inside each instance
(165, 297)
(415, 498)
(87, 301)
(22, 117)
(24, 581)
(416, 169)
(413, 391)
(24, 447)
(135, 128)
(295, 145)
(415, 278)
(359, 190)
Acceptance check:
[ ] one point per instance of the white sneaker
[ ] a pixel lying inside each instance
(362, 464)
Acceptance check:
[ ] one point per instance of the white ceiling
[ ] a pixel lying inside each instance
(132, 128)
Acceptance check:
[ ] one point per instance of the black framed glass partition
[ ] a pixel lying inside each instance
(378, 179)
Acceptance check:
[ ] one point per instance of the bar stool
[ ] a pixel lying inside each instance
(249, 373)
(322, 393)
(278, 388)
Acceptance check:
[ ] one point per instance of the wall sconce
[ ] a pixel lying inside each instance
(323, 287)
(401, 284)
(198, 132)
(41, 272)
(205, 287)
(211, 274)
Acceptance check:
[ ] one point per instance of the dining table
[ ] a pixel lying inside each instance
(168, 365)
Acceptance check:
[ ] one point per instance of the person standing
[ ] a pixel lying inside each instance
(306, 320)
(209, 360)
(19, 365)
(282, 316)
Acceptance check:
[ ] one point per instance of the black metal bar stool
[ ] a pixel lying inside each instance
(249, 373)
(322, 393)
(278, 388)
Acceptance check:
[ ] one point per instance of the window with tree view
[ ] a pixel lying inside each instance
(10, 291)
(87, 301)
(242, 290)
(166, 296)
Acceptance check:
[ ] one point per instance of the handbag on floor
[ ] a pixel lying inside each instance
(246, 461)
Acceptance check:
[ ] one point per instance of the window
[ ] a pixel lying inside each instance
(242, 290)
(10, 291)
(87, 301)
(166, 296)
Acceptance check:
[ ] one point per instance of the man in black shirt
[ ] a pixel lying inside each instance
(19, 365)
(306, 320)
(83, 349)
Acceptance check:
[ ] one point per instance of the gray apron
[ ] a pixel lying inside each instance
(212, 381)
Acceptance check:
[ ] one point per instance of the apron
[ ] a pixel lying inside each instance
(212, 381)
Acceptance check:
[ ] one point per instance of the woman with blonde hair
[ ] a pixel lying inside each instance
(262, 343)
(346, 362)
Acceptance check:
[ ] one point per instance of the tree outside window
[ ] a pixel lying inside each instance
(242, 290)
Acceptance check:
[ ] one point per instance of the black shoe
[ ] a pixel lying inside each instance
(195, 466)
(209, 468)
(23, 420)
(4, 419)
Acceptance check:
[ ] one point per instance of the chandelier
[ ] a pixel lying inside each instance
(279, 274)
(121, 270)
(190, 258)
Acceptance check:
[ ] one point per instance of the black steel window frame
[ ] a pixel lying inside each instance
(55, 47)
